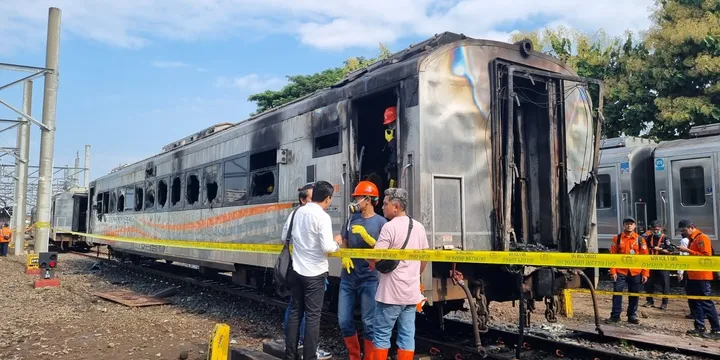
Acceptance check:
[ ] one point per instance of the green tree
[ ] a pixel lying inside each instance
(685, 39)
(302, 85)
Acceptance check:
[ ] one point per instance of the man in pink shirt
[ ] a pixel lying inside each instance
(398, 291)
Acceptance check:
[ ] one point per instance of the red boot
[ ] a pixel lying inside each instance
(353, 346)
(380, 354)
(369, 349)
(405, 354)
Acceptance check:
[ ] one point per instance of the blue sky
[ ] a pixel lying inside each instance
(137, 75)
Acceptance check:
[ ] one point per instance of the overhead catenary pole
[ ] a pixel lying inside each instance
(87, 166)
(47, 136)
(22, 173)
(76, 173)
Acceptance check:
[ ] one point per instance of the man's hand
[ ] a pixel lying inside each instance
(680, 277)
(360, 230)
(683, 249)
(338, 239)
(348, 264)
(644, 279)
(614, 277)
(420, 305)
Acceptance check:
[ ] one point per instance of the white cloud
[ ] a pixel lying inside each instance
(319, 23)
(169, 64)
(251, 82)
(201, 69)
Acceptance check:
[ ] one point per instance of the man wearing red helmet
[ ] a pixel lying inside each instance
(358, 278)
(389, 121)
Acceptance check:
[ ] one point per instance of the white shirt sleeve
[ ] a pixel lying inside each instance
(283, 234)
(683, 242)
(327, 242)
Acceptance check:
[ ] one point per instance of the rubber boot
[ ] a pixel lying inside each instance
(369, 348)
(405, 354)
(380, 354)
(353, 346)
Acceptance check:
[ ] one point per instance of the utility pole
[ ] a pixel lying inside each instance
(47, 136)
(76, 172)
(22, 170)
(87, 169)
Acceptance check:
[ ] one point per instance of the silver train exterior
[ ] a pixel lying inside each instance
(68, 213)
(666, 181)
(238, 183)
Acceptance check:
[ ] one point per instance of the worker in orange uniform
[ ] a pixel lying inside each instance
(358, 279)
(698, 282)
(630, 243)
(5, 239)
(389, 121)
(658, 244)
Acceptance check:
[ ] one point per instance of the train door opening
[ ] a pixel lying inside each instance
(606, 205)
(373, 140)
(692, 194)
(531, 120)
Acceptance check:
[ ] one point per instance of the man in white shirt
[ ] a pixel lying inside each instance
(312, 240)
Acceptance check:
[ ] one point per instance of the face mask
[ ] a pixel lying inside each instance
(355, 206)
(658, 233)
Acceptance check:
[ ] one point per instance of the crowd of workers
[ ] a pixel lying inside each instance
(655, 242)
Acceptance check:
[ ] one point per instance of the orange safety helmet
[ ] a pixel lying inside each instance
(390, 115)
(366, 188)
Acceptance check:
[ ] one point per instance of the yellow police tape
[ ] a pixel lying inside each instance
(567, 295)
(579, 260)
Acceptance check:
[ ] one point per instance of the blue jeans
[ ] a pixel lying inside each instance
(702, 309)
(349, 290)
(634, 284)
(302, 322)
(385, 317)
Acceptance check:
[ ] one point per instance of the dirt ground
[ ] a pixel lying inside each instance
(68, 322)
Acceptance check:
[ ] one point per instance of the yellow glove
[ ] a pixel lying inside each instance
(360, 230)
(347, 263)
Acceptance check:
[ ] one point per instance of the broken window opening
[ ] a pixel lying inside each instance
(192, 192)
(106, 202)
(263, 183)
(162, 193)
(210, 176)
(113, 201)
(139, 198)
(130, 198)
(263, 160)
(149, 195)
(121, 201)
(176, 191)
(327, 144)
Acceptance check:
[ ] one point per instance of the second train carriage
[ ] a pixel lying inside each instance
(68, 213)
(496, 146)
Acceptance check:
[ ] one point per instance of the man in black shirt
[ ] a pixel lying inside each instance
(658, 244)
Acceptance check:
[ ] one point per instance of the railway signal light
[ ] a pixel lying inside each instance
(47, 261)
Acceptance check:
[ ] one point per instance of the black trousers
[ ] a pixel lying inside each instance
(659, 278)
(4, 248)
(307, 299)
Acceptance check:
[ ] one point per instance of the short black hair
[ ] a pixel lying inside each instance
(655, 223)
(321, 191)
(303, 191)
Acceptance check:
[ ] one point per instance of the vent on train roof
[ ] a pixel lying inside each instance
(196, 136)
(623, 141)
(705, 130)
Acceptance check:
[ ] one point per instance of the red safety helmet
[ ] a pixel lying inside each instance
(366, 188)
(390, 115)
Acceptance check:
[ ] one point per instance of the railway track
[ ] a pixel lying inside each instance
(454, 341)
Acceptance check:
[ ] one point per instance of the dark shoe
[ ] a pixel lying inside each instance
(634, 320)
(689, 316)
(696, 332)
(663, 307)
(714, 334)
(649, 304)
(612, 320)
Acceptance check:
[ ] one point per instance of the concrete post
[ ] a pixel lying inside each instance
(22, 174)
(76, 171)
(47, 137)
(87, 167)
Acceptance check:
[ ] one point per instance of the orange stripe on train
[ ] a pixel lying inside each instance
(223, 218)
(120, 231)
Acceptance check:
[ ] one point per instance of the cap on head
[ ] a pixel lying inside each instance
(629, 219)
(684, 224)
(655, 223)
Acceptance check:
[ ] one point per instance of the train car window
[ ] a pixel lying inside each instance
(192, 190)
(237, 166)
(106, 202)
(149, 195)
(129, 198)
(212, 187)
(113, 201)
(121, 200)
(235, 180)
(327, 143)
(604, 192)
(263, 183)
(175, 191)
(139, 197)
(263, 160)
(99, 203)
(692, 186)
(162, 193)
(263, 166)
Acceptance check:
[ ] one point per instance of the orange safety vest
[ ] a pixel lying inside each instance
(632, 244)
(700, 245)
(651, 246)
(6, 232)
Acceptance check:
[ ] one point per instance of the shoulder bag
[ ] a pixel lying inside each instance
(283, 264)
(387, 266)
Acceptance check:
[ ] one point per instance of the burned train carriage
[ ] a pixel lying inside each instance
(496, 145)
